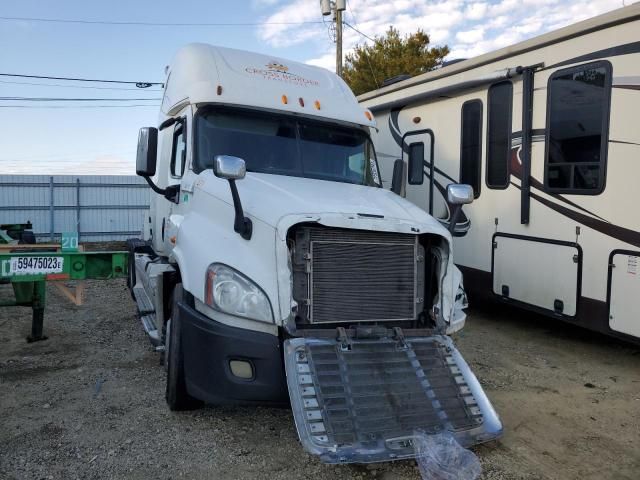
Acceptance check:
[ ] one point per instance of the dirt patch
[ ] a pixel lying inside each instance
(89, 403)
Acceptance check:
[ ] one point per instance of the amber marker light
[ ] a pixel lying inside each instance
(208, 287)
(317, 104)
(367, 114)
(285, 100)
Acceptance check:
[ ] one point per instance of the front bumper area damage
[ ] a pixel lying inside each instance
(362, 400)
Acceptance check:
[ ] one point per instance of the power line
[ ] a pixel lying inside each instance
(358, 31)
(154, 24)
(373, 74)
(66, 99)
(72, 86)
(137, 84)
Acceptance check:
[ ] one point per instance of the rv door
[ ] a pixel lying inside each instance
(360, 398)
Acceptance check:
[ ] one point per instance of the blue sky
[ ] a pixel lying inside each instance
(103, 140)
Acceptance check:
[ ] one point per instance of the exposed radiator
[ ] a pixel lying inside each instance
(355, 275)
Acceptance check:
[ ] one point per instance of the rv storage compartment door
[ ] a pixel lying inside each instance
(625, 289)
(539, 272)
(362, 400)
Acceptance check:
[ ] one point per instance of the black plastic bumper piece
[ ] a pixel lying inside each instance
(208, 348)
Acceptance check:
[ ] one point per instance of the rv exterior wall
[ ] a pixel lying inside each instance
(582, 166)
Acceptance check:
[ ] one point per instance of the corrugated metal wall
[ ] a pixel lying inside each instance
(100, 207)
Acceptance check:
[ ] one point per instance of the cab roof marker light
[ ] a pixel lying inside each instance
(285, 100)
(301, 101)
(317, 104)
(367, 114)
(219, 90)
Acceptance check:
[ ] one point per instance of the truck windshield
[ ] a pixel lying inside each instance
(283, 145)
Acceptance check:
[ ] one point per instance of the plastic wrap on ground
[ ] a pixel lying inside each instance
(441, 457)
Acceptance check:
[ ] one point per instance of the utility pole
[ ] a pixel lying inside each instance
(339, 42)
(336, 7)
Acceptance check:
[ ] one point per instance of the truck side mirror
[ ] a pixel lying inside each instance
(397, 180)
(232, 169)
(147, 152)
(416, 163)
(458, 195)
(229, 168)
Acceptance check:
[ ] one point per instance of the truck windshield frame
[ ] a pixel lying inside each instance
(289, 145)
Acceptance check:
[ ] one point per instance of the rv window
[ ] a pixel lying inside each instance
(578, 116)
(471, 145)
(178, 152)
(499, 134)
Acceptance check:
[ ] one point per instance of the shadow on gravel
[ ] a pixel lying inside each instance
(537, 324)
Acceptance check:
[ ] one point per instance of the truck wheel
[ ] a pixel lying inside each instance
(176, 393)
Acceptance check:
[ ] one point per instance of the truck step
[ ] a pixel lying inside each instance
(143, 301)
(149, 325)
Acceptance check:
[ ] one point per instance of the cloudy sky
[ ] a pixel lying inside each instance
(100, 137)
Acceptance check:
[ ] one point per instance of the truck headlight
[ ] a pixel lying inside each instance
(231, 292)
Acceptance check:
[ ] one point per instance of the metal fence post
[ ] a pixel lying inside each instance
(78, 207)
(51, 211)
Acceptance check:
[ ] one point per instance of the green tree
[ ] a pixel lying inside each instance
(368, 65)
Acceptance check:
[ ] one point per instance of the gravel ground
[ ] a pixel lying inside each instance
(89, 403)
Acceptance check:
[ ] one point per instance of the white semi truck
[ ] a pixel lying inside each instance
(276, 268)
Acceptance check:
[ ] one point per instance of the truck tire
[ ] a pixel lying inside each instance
(176, 393)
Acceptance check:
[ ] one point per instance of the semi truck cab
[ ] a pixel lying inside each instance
(278, 269)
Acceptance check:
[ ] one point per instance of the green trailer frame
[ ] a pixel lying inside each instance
(30, 288)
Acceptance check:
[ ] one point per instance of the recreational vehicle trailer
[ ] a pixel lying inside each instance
(276, 269)
(546, 133)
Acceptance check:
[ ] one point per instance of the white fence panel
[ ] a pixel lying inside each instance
(99, 207)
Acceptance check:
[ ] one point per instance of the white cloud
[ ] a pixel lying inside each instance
(512, 21)
(476, 11)
(328, 61)
(279, 34)
(97, 165)
(503, 7)
(470, 27)
(471, 36)
(260, 4)
(499, 21)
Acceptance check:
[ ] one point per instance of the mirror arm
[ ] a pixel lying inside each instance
(454, 218)
(170, 193)
(154, 187)
(241, 224)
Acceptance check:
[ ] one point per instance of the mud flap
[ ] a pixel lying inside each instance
(363, 400)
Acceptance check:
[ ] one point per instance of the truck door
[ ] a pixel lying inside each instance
(177, 170)
(362, 398)
(172, 171)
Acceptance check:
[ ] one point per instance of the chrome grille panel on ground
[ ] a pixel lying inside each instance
(358, 275)
(364, 403)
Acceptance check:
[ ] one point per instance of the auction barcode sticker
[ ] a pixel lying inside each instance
(35, 265)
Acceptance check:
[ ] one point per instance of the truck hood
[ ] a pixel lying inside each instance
(270, 198)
